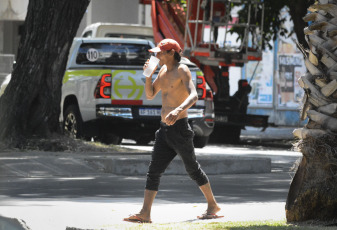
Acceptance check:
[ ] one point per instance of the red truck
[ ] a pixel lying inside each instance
(188, 24)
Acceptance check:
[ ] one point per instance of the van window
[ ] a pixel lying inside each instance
(112, 54)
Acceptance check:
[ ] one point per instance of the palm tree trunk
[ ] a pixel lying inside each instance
(313, 191)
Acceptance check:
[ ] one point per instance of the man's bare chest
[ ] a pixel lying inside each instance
(170, 83)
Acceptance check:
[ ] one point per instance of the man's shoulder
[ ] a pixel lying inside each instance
(183, 68)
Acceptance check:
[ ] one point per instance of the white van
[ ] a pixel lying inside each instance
(118, 30)
(103, 93)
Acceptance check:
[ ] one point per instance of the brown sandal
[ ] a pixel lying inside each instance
(137, 219)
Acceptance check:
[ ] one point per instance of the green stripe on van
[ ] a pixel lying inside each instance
(199, 73)
(84, 73)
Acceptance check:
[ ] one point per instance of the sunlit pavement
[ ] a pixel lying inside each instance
(61, 190)
(100, 213)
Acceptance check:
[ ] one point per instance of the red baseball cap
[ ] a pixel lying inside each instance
(165, 45)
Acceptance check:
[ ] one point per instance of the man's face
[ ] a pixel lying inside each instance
(164, 56)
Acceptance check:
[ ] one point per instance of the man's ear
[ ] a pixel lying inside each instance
(171, 52)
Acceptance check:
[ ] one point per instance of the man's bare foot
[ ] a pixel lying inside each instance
(211, 213)
(213, 209)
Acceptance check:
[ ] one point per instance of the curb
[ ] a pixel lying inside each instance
(138, 165)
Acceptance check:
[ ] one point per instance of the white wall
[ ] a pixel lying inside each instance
(144, 15)
(114, 11)
(11, 36)
(1, 36)
(234, 77)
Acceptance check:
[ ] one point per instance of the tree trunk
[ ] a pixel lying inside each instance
(31, 103)
(297, 10)
(313, 191)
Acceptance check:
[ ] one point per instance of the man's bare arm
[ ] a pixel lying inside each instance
(193, 95)
(151, 89)
(186, 76)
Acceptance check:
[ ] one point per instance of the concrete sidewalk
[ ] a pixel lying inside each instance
(271, 133)
(60, 190)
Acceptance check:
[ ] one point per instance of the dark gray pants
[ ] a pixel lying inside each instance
(171, 141)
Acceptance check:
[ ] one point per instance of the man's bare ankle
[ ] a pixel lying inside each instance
(213, 209)
(144, 214)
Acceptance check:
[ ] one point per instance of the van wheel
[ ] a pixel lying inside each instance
(200, 141)
(72, 122)
(110, 139)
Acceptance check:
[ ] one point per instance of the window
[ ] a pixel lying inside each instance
(113, 54)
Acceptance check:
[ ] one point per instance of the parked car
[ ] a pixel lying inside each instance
(103, 93)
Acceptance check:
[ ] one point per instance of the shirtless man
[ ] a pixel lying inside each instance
(175, 135)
